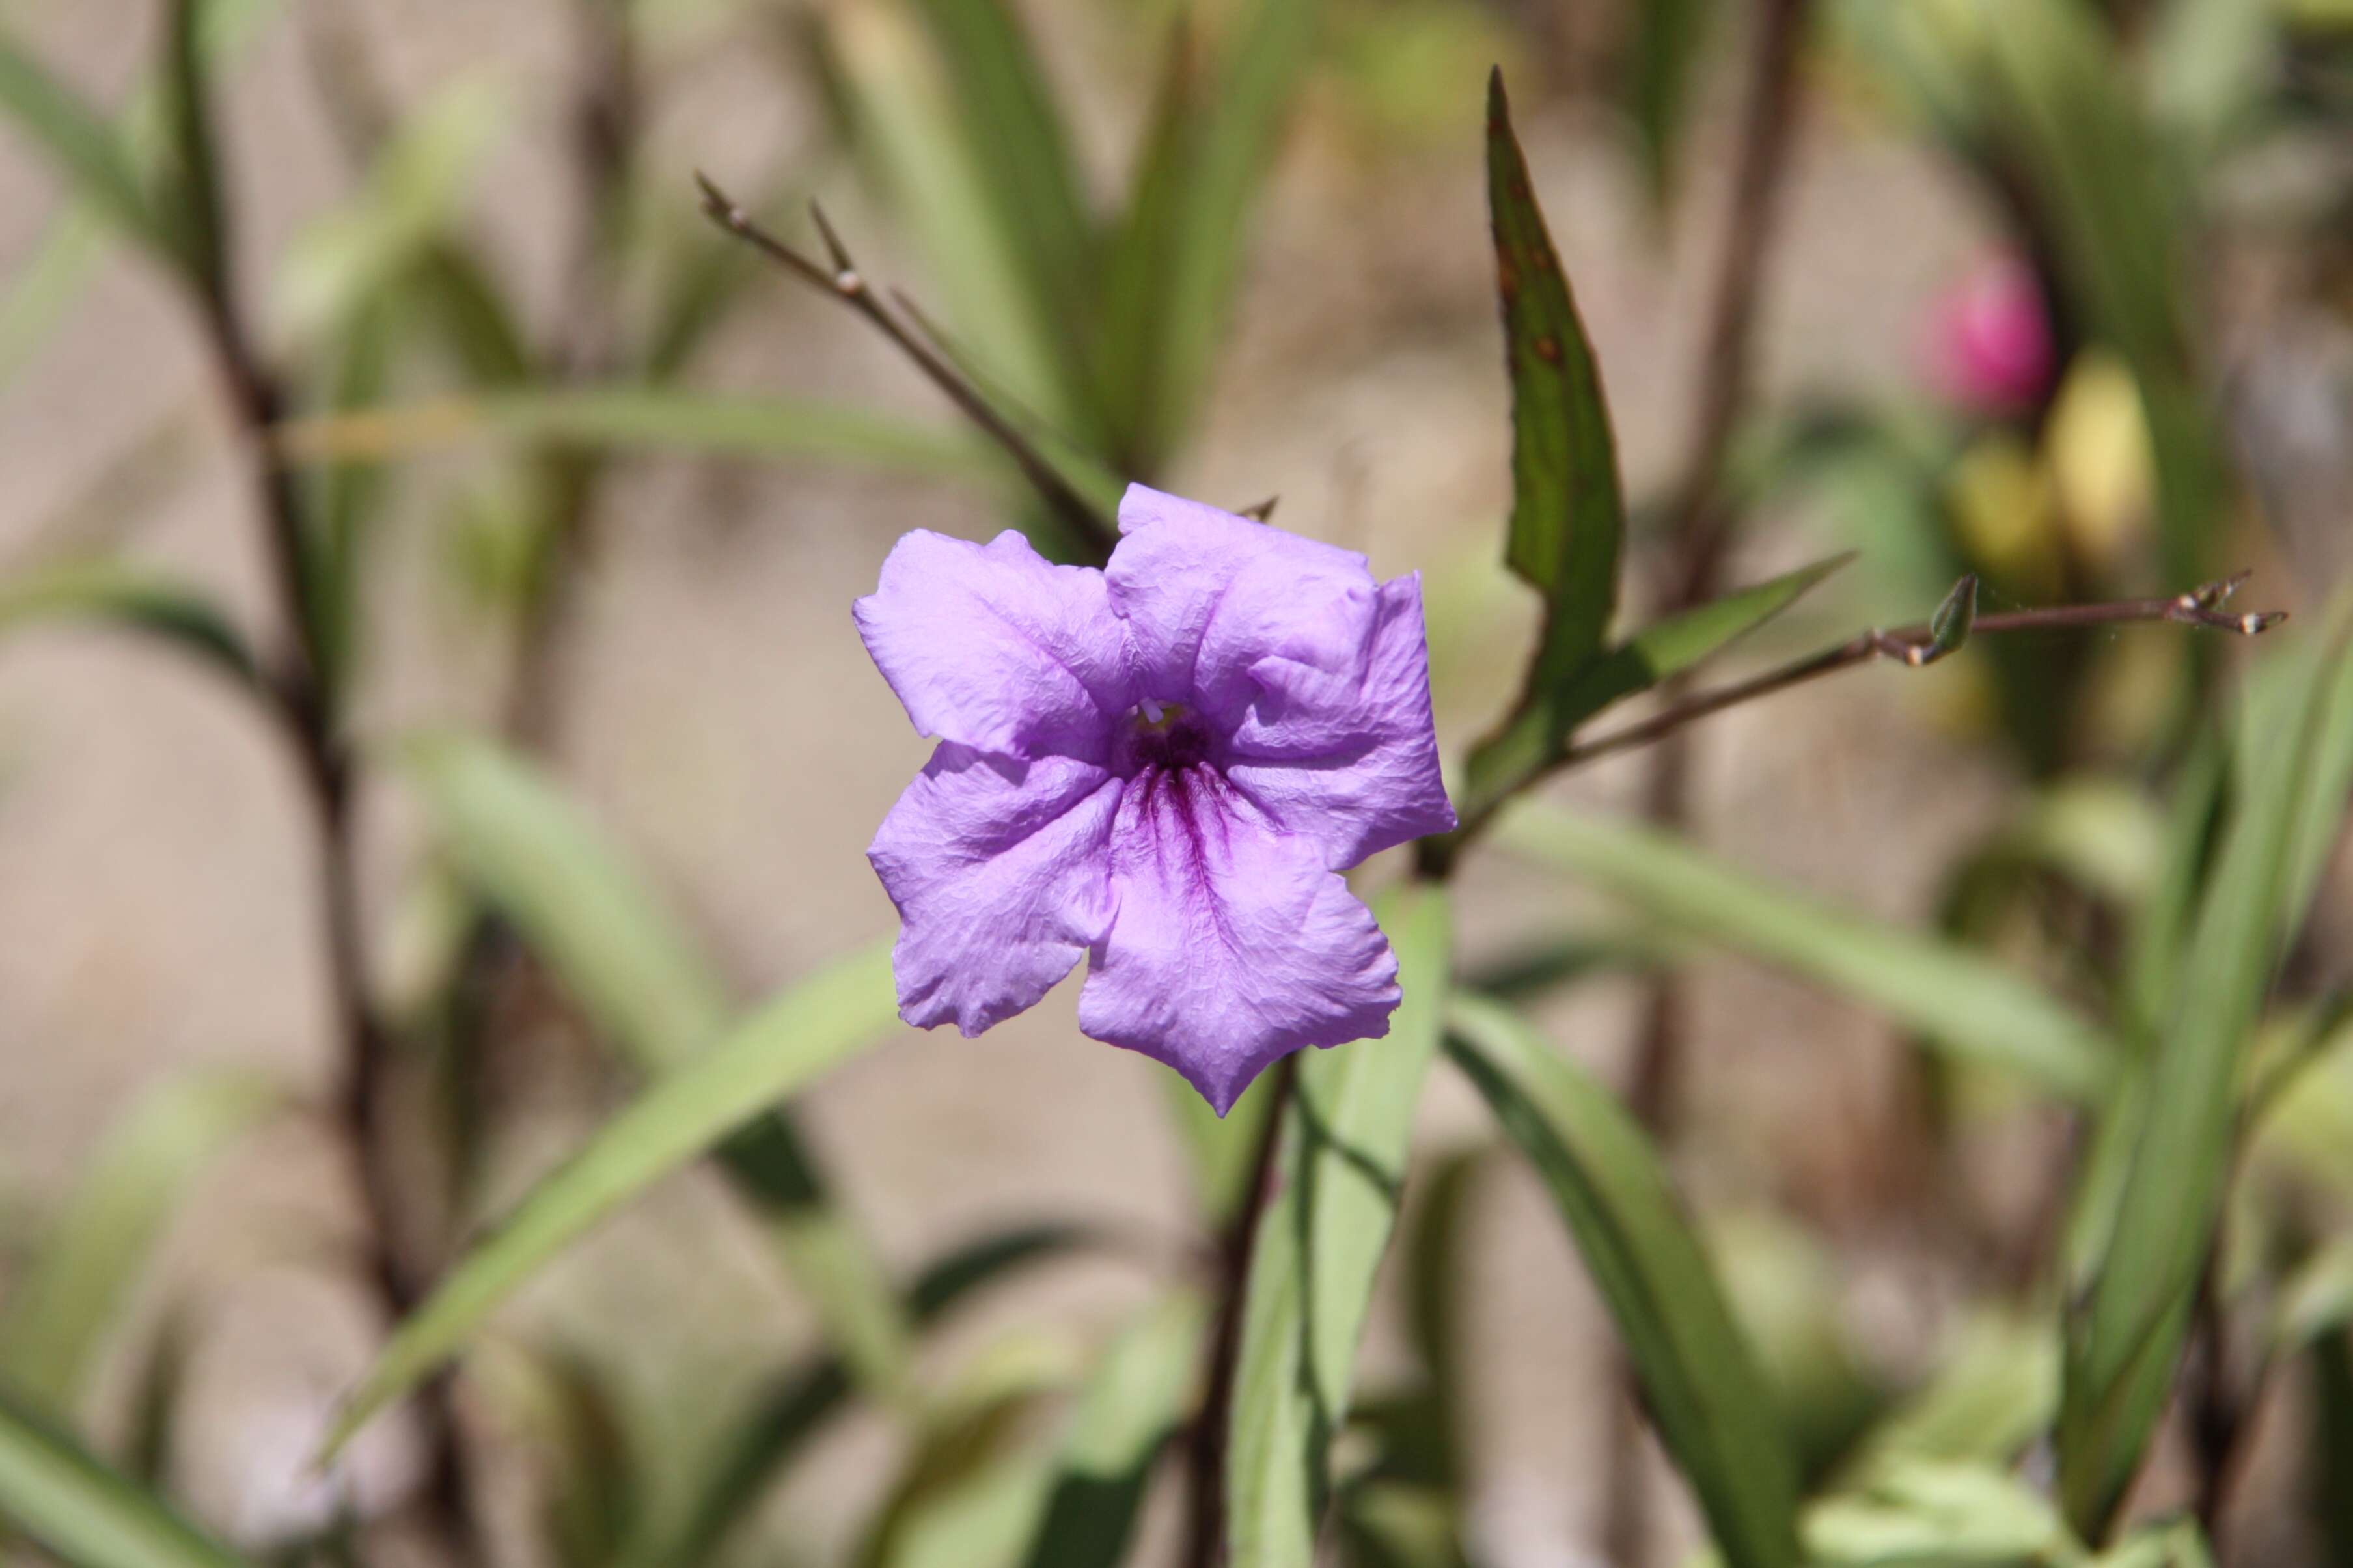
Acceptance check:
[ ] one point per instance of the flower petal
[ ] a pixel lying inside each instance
(1232, 945)
(999, 871)
(994, 647)
(1207, 595)
(1350, 764)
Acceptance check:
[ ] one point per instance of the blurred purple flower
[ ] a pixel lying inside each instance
(1162, 765)
(1992, 349)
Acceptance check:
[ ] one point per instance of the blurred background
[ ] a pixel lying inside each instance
(417, 324)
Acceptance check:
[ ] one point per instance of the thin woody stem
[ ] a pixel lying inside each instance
(843, 281)
(1908, 645)
(1204, 1503)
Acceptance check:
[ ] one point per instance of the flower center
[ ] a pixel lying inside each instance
(1162, 736)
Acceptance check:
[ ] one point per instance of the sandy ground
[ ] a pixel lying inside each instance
(155, 901)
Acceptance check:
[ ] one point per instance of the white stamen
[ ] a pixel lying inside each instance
(1151, 710)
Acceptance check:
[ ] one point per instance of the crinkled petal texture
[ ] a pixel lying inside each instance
(996, 648)
(1192, 853)
(1233, 945)
(999, 871)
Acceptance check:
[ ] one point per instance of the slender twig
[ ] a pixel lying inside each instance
(843, 281)
(1909, 647)
(303, 704)
(1205, 1502)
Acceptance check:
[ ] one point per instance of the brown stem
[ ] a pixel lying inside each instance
(303, 707)
(843, 281)
(1205, 1504)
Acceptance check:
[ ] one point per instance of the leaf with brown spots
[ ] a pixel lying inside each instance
(1568, 519)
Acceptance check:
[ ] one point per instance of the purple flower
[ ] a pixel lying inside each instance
(1163, 766)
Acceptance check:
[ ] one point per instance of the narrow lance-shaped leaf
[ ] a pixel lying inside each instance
(191, 178)
(85, 1514)
(657, 997)
(128, 596)
(789, 1418)
(636, 416)
(1959, 1001)
(1131, 1402)
(1567, 515)
(80, 1281)
(811, 1027)
(1318, 1245)
(86, 152)
(1177, 255)
(1664, 56)
(2125, 1340)
(1016, 137)
(1714, 1410)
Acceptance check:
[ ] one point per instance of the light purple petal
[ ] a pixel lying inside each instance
(1207, 595)
(994, 647)
(998, 869)
(1350, 764)
(1232, 945)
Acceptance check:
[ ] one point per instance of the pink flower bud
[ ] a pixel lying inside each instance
(1992, 352)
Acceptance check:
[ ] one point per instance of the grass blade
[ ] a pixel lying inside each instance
(1133, 1401)
(86, 1514)
(80, 1282)
(88, 154)
(1176, 257)
(1318, 1247)
(1665, 60)
(720, 424)
(1703, 1387)
(1016, 137)
(138, 600)
(656, 995)
(1958, 1001)
(2124, 1340)
(811, 1027)
(404, 206)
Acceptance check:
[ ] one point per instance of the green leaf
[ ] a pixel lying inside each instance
(190, 182)
(64, 254)
(1705, 1393)
(1949, 1515)
(566, 1411)
(405, 204)
(80, 1282)
(1665, 649)
(1995, 1393)
(1319, 1244)
(1014, 135)
(2122, 1343)
(1175, 256)
(546, 866)
(1224, 1148)
(788, 1044)
(1568, 517)
(1132, 1403)
(901, 119)
(1664, 56)
(89, 155)
(84, 1513)
(136, 599)
(641, 417)
(785, 1419)
(1958, 1001)
(2315, 1300)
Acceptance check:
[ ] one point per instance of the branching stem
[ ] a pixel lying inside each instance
(843, 281)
